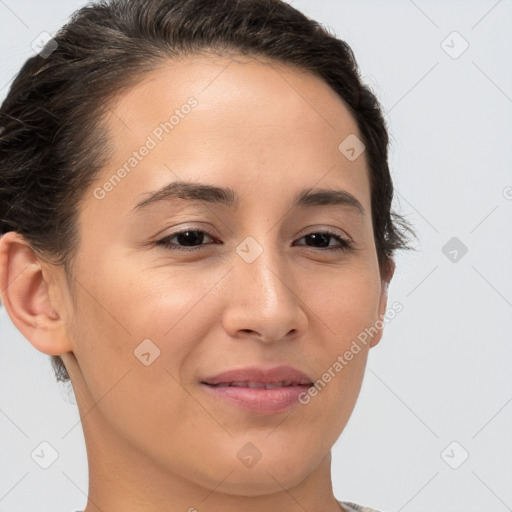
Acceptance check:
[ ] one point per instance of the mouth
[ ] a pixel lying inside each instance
(258, 389)
(258, 385)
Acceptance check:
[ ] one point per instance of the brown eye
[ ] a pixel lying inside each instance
(323, 239)
(188, 239)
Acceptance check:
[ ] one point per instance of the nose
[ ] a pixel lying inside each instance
(264, 300)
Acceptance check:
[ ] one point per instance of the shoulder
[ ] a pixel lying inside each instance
(354, 507)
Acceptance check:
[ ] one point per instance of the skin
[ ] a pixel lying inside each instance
(156, 440)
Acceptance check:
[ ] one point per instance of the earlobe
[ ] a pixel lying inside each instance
(25, 293)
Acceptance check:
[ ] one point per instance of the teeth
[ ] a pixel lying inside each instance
(255, 385)
(250, 384)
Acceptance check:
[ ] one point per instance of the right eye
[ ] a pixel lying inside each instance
(186, 240)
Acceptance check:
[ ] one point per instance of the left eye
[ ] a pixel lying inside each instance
(193, 239)
(323, 239)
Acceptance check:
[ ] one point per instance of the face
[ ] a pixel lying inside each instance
(260, 274)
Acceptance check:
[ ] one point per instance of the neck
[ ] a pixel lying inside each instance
(122, 479)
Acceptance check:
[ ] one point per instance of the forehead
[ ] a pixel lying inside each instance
(235, 119)
(236, 89)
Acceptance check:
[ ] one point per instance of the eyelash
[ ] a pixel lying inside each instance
(344, 244)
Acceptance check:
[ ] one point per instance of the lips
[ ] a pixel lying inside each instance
(259, 377)
(259, 390)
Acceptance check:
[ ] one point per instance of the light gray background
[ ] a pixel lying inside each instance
(442, 371)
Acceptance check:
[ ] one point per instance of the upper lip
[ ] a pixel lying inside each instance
(260, 375)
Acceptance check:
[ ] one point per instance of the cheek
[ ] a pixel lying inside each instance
(345, 301)
(346, 307)
(133, 342)
(147, 326)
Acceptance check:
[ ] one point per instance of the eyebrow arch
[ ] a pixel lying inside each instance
(228, 197)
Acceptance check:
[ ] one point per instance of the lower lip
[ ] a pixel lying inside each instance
(264, 401)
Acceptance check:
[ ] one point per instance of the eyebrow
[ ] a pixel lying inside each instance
(228, 197)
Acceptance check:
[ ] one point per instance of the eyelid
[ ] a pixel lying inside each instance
(165, 240)
(345, 242)
(315, 228)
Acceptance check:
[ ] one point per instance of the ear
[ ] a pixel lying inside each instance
(388, 272)
(25, 292)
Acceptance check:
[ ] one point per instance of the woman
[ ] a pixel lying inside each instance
(196, 214)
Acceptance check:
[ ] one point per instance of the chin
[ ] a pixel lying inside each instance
(262, 483)
(270, 474)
